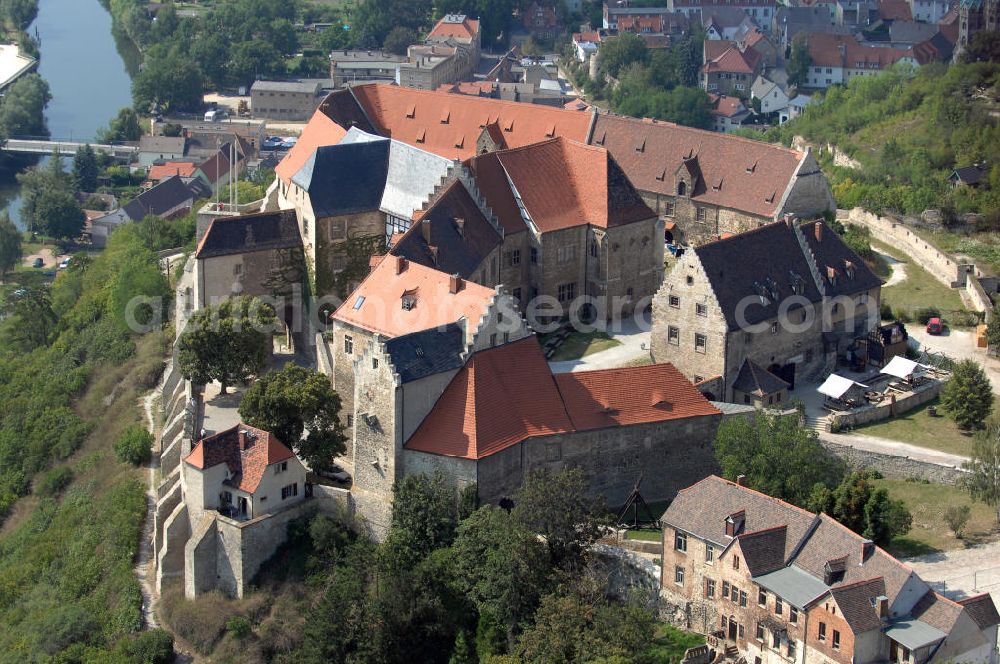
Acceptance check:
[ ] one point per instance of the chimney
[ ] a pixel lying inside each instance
(400, 264)
(454, 284)
(741, 480)
(425, 229)
(790, 220)
(819, 231)
(882, 604)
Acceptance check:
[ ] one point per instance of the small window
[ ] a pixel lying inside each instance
(822, 631)
(774, 328)
(348, 345)
(793, 615)
(791, 648)
(735, 596)
(743, 598)
(700, 343)
(775, 640)
(725, 589)
(760, 631)
(701, 309)
(673, 335)
(493, 340)
(778, 606)
(836, 640)
(534, 256)
(290, 491)
(350, 421)
(679, 575)
(675, 302)
(709, 587)
(681, 542)
(690, 280)
(709, 553)
(736, 562)
(702, 214)
(374, 363)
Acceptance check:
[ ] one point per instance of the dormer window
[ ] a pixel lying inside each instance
(682, 188)
(735, 523)
(849, 268)
(409, 299)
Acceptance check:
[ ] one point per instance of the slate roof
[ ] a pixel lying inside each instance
(252, 232)
(982, 610)
(854, 601)
(755, 379)
(344, 179)
(970, 175)
(770, 260)
(763, 550)
(751, 175)
(637, 395)
(162, 144)
(561, 183)
(166, 195)
(427, 352)
(452, 236)
(381, 308)
(247, 456)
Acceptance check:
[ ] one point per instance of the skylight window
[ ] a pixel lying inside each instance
(358, 302)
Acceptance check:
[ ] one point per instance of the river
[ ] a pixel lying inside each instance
(86, 72)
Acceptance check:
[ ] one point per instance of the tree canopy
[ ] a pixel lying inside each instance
(47, 201)
(292, 401)
(85, 169)
(10, 245)
(968, 396)
(22, 108)
(983, 480)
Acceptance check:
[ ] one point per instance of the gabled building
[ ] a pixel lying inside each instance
(761, 11)
(727, 24)
(728, 70)
(772, 98)
(839, 58)
(161, 148)
(729, 112)
(541, 21)
(789, 297)
(780, 584)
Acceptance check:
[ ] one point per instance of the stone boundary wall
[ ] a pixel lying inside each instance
(626, 571)
(883, 411)
(894, 467)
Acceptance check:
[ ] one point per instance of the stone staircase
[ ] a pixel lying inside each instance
(820, 424)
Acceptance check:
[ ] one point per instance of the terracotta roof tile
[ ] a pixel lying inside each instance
(246, 450)
(378, 303)
(735, 61)
(891, 10)
(320, 131)
(754, 175)
(450, 27)
(982, 610)
(159, 171)
(636, 395)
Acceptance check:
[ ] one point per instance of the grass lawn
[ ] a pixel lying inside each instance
(645, 534)
(919, 289)
(670, 643)
(928, 503)
(918, 428)
(983, 247)
(579, 344)
(639, 362)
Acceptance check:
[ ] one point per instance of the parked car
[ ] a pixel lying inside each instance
(272, 143)
(38, 262)
(934, 326)
(337, 474)
(64, 263)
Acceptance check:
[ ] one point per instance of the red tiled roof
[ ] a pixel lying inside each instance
(382, 292)
(320, 131)
(247, 456)
(828, 50)
(737, 173)
(507, 394)
(157, 172)
(713, 48)
(892, 10)
(407, 114)
(735, 61)
(577, 105)
(726, 105)
(592, 36)
(466, 29)
(561, 183)
(474, 88)
(636, 395)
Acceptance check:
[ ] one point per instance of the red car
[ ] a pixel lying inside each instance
(934, 326)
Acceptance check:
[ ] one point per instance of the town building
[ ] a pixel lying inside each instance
(153, 149)
(586, 44)
(541, 21)
(759, 41)
(728, 69)
(790, 22)
(836, 59)
(226, 165)
(448, 55)
(290, 101)
(162, 170)
(728, 112)
(777, 584)
(788, 297)
(772, 98)
(761, 11)
(738, 183)
(929, 11)
(351, 67)
(727, 24)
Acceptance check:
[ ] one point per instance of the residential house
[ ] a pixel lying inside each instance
(204, 140)
(154, 149)
(857, 13)
(760, 11)
(255, 254)
(429, 66)
(727, 24)
(541, 21)
(161, 171)
(939, 48)
(225, 165)
(790, 22)
(613, 13)
(836, 59)
(728, 112)
(894, 10)
(779, 584)
(796, 106)
(728, 70)
(787, 297)
(350, 67)
(458, 28)
(171, 198)
(903, 34)
(290, 101)
(771, 97)
(759, 41)
(929, 11)
(737, 183)
(351, 197)
(585, 44)
(564, 222)
(970, 176)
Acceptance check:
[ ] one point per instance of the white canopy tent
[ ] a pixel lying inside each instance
(836, 386)
(900, 367)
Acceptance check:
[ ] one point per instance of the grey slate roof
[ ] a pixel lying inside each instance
(251, 232)
(830, 252)
(855, 602)
(166, 195)
(982, 610)
(284, 86)
(162, 144)
(791, 584)
(344, 179)
(427, 352)
(755, 379)
(914, 634)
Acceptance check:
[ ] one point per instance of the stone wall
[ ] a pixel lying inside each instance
(625, 571)
(883, 411)
(894, 467)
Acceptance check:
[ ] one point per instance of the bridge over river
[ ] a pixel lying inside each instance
(45, 146)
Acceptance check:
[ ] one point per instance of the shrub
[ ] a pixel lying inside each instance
(964, 318)
(134, 446)
(924, 314)
(902, 315)
(153, 647)
(885, 311)
(957, 517)
(54, 481)
(238, 626)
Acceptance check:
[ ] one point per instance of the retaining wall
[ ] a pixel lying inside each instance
(894, 467)
(883, 411)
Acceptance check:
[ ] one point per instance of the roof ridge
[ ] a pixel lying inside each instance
(853, 584)
(763, 531)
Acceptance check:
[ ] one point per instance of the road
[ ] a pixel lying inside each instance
(958, 345)
(634, 345)
(963, 572)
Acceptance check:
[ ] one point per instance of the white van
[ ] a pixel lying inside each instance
(216, 115)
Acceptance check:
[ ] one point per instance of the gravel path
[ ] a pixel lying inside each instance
(634, 345)
(962, 573)
(897, 267)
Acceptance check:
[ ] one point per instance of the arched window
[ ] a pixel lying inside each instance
(682, 188)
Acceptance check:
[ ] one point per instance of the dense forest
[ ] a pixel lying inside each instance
(909, 129)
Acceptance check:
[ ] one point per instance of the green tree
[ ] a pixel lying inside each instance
(251, 60)
(10, 245)
(29, 320)
(558, 507)
(169, 79)
(22, 110)
(294, 400)
(399, 39)
(799, 60)
(865, 508)
(993, 330)
(229, 342)
(778, 457)
(134, 446)
(125, 126)
(58, 214)
(424, 518)
(85, 169)
(968, 396)
(501, 567)
(957, 516)
(983, 480)
(616, 54)
(983, 47)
